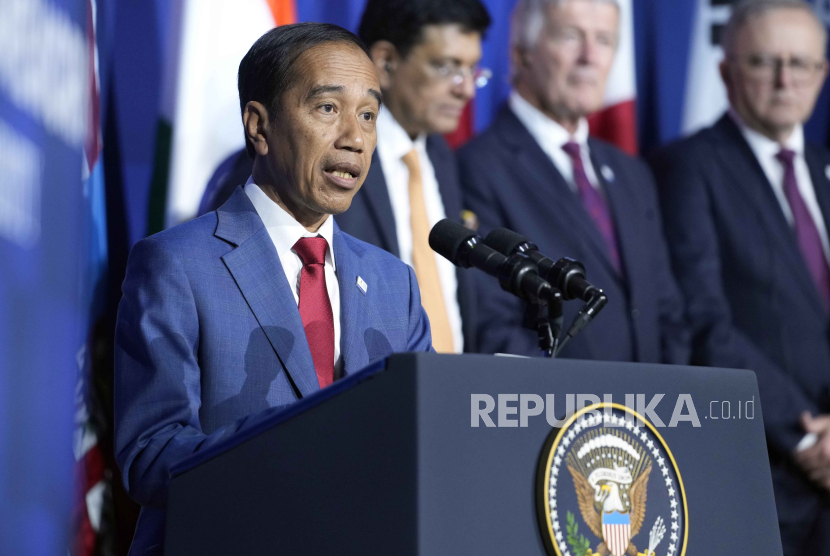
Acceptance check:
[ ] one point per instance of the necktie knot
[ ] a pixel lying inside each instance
(411, 161)
(311, 250)
(573, 150)
(786, 156)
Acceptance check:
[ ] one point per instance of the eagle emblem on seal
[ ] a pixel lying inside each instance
(614, 467)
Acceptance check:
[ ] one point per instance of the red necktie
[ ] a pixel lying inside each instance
(315, 306)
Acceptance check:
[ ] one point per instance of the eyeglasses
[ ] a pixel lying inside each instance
(453, 73)
(766, 67)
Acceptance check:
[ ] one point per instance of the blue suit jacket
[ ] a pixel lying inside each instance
(750, 299)
(370, 216)
(510, 182)
(209, 341)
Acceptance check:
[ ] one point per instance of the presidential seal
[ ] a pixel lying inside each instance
(608, 484)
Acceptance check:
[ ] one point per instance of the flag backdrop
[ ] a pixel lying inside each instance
(175, 115)
(617, 121)
(44, 86)
(200, 121)
(91, 525)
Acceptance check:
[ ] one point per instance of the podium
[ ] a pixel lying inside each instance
(401, 459)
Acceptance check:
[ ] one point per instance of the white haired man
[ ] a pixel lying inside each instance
(536, 171)
(747, 204)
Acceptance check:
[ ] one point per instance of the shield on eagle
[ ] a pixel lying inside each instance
(616, 531)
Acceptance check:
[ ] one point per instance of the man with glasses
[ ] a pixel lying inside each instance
(536, 171)
(747, 205)
(426, 54)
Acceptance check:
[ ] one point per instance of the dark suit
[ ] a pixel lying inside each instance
(370, 217)
(750, 299)
(509, 181)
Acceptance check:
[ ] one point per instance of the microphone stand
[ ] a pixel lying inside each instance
(593, 306)
(545, 317)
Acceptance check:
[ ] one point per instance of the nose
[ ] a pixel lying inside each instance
(586, 51)
(783, 74)
(350, 135)
(466, 87)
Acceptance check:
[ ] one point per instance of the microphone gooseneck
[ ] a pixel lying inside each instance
(567, 275)
(516, 273)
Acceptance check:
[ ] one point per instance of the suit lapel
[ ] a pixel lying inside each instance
(356, 313)
(820, 175)
(552, 191)
(622, 206)
(258, 273)
(376, 196)
(445, 175)
(746, 172)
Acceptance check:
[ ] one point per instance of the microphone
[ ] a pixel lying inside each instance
(566, 274)
(517, 273)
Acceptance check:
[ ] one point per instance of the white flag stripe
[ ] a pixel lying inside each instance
(207, 126)
(622, 81)
(705, 93)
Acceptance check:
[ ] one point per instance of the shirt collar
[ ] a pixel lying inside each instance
(542, 127)
(393, 140)
(281, 226)
(763, 145)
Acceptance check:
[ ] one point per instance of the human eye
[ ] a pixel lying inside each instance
(800, 64)
(327, 108)
(606, 39)
(445, 67)
(760, 61)
(368, 116)
(568, 34)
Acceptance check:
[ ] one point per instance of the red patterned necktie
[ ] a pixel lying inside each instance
(806, 232)
(315, 306)
(595, 204)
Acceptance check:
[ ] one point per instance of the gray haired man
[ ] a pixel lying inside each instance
(536, 171)
(747, 205)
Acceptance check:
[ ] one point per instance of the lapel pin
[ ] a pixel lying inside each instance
(607, 173)
(362, 285)
(470, 220)
(827, 171)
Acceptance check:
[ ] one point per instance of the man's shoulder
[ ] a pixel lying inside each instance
(624, 165)
(818, 151)
(188, 237)
(695, 145)
(489, 140)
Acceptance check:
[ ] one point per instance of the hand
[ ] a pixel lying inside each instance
(815, 460)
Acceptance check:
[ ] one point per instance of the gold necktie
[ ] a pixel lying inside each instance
(423, 259)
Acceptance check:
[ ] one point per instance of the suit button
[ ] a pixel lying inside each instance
(635, 314)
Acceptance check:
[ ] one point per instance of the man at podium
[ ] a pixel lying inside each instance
(229, 317)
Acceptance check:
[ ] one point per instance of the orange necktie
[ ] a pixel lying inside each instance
(423, 259)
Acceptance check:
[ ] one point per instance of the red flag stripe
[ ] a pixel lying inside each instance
(617, 124)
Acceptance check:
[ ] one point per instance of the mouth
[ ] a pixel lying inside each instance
(343, 174)
(450, 110)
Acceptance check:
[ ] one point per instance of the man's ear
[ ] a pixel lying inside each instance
(385, 58)
(256, 123)
(519, 57)
(723, 69)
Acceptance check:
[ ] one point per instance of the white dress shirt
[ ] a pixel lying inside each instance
(765, 150)
(285, 232)
(551, 137)
(393, 144)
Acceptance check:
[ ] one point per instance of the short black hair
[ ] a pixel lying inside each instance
(265, 71)
(401, 21)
